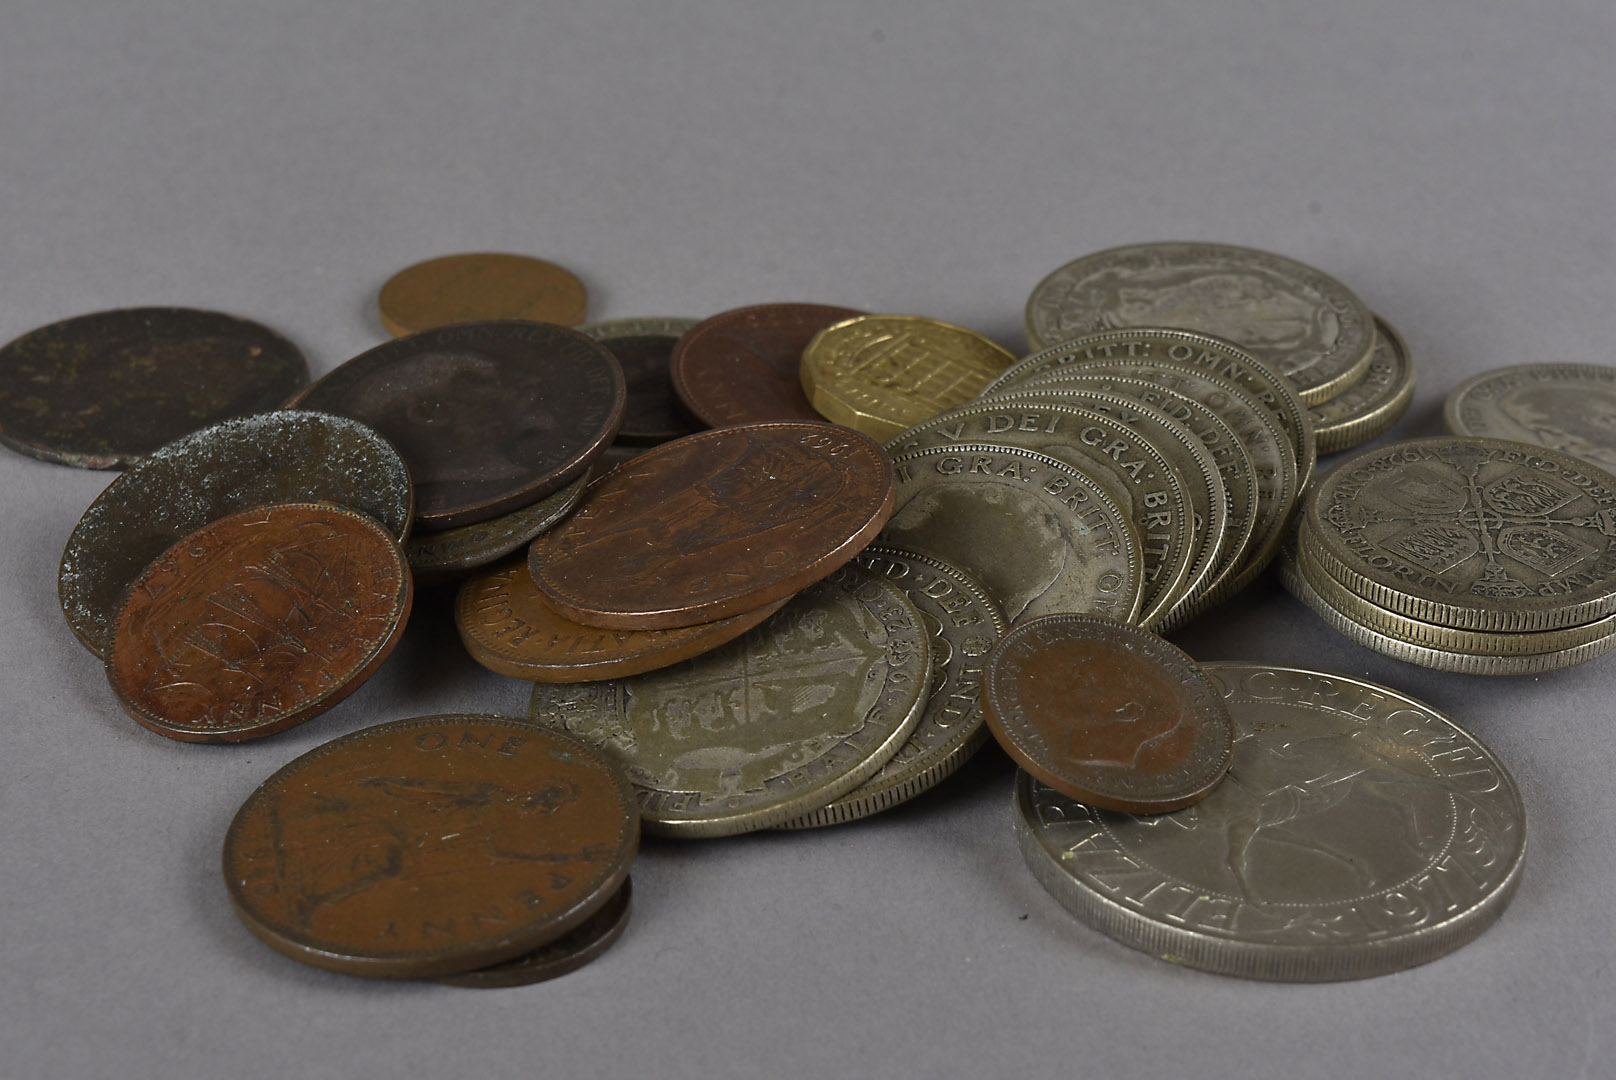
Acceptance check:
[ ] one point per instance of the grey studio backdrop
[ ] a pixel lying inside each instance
(1451, 162)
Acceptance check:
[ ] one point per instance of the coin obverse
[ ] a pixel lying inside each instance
(479, 286)
(1107, 713)
(1358, 833)
(101, 391)
(561, 957)
(744, 366)
(430, 846)
(1570, 408)
(258, 621)
(276, 457)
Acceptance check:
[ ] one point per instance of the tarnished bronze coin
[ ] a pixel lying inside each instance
(743, 366)
(450, 553)
(101, 391)
(562, 956)
(253, 461)
(715, 524)
(1106, 713)
(507, 626)
(477, 287)
(430, 846)
(490, 416)
(258, 622)
(643, 347)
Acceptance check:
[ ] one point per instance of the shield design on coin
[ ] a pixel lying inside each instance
(1545, 550)
(1437, 547)
(1526, 495)
(1422, 490)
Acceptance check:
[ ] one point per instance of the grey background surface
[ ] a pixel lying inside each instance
(1452, 162)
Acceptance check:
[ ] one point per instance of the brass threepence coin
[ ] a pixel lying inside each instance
(643, 347)
(1566, 407)
(562, 956)
(1107, 713)
(715, 524)
(1039, 535)
(237, 465)
(490, 416)
(1357, 833)
(102, 391)
(478, 287)
(879, 374)
(743, 366)
(1477, 534)
(1372, 404)
(786, 718)
(1304, 324)
(963, 623)
(430, 846)
(1130, 468)
(258, 622)
(507, 626)
(451, 553)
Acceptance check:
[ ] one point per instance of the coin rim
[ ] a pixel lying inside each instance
(1379, 413)
(518, 972)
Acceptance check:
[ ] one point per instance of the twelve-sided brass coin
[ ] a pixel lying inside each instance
(490, 416)
(1107, 713)
(430, 846)
(480, 286)
(101, 391)
(258, 621)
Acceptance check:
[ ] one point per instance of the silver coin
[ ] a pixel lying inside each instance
(1358, 832)
(662, 325)
(1566, 407)
(1372, 404)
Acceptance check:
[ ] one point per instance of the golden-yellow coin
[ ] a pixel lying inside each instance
(479, 286)
(881, 374)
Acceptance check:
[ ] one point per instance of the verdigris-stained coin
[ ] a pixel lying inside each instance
(744, 366)
(289, 456)
(490, 416)
(507, 626)
(1038, 534)
(451, 553)
(430, 846)
(1477, 534)
(1107, 713)
(563, 956)
(715, 524)
(1377, 400)
(258, 621)
(791, 715)
(654, 412)
(879, 374)
(1358, 832)
(479, 286)
(101, 391)
(1570, 408)
(963, 622)
(1304, 324)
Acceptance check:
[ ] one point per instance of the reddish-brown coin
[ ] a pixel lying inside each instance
(489, 416)
(715, 524)
(564, 955)
(507, 626)
(1107, 713)
(430, 846)
(743, 366)
(258, 621)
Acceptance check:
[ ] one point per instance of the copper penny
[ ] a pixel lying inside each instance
(508, 627)
(562, 956)
(743, 366)
(479, 286)
(489, 416)
(654, 413)
(258, 621)
(1106, 713)
(430, 846)
(715, 524)
(101, 391)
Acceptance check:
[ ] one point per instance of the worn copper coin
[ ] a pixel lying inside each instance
(743, 366)
(507, 626)
(450, 553)
(789, 716)
(490, 416)
(643, 346)
(477, 287)
(430, 846)
(101, 391)
(274, 457)
(258, 622)
(1566, 407)
(1107, 713)
(562, 956)
(715, 524)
